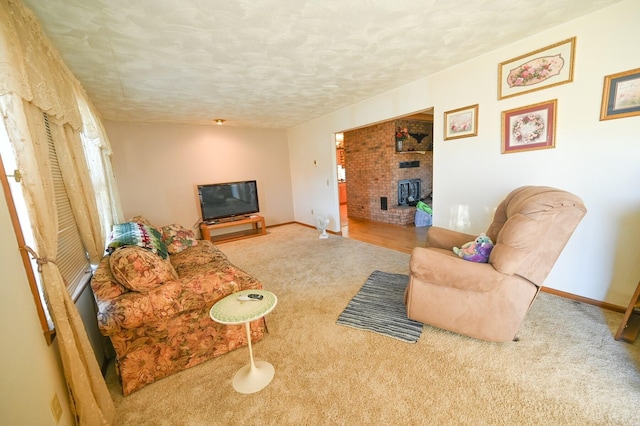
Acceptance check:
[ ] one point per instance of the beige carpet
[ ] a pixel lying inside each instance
(566, 368)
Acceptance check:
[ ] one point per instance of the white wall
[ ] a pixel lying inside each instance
(158, 166)
(597, 160)
(30, 371)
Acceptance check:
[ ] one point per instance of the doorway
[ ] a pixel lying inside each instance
(370, 166)
(342, 182)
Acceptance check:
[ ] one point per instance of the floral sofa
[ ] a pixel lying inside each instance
(154, 290)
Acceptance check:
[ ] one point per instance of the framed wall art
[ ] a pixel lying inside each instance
(546, 67)
(621, 95)
(530, 127)
(461, 122)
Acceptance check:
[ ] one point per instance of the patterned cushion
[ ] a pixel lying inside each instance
(138, 269)
(178, 238)
(137, 234)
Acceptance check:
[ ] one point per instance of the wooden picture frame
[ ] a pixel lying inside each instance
(621, 95)
(529, 128)
(543, 68)
(461, 122)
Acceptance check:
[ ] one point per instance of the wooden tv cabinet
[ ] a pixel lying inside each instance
(257, 228)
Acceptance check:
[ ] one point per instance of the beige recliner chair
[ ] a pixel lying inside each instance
(488, 301)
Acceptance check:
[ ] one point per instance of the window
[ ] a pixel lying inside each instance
(72, 259)
(24, 236)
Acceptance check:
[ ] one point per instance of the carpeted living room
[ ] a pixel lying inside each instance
(311, 124)
(565, 367)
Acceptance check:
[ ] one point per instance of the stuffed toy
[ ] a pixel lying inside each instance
(477, 250)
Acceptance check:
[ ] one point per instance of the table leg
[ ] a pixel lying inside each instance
(256, 375)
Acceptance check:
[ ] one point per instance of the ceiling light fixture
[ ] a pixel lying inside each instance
(219, 121)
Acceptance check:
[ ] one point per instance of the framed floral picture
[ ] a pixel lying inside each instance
(461, 122)
(530, 127)
(621, 95)
(546, 67)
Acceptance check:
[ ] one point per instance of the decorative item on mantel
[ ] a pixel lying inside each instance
(402, 134)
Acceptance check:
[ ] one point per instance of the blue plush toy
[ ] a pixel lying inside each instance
(476, 251)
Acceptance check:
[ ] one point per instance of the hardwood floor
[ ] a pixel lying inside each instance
(395, 237)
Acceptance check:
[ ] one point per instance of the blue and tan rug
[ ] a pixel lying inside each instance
(379, 307)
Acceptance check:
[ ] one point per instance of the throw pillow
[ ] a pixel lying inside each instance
(140, 270)
(137, 234)
(177, 238)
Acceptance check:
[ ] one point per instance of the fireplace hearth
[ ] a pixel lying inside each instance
(408, 192)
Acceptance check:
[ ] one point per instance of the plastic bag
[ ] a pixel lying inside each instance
(424, 207)
(423, 218)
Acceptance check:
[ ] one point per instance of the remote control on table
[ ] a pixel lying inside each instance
(251, 296)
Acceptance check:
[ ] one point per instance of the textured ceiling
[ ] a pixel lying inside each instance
(274, 63)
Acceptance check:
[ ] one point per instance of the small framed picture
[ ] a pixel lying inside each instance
(530, 127)
(461, 122)
(546, 67)
(621, 95)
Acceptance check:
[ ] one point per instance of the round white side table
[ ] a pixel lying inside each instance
(230, 310)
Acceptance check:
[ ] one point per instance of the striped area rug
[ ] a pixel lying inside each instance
(379, 307)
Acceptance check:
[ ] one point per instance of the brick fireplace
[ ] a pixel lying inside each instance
(408, 191)
(379, 179)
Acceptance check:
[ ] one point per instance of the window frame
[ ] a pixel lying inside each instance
(47, 328)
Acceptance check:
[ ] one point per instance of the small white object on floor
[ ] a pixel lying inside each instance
(322, 222)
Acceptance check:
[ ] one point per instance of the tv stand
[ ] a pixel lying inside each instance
(253, 220)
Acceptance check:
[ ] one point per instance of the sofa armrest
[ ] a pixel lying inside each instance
(103, 284)
(448, 270)
(135, 309)
(446, 238)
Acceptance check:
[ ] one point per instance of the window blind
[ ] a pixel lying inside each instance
(72, 259)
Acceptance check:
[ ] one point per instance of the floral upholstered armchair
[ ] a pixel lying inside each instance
(154, 290)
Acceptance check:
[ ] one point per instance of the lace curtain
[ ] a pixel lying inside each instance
(33, 80)
(32, 69)
(98, 156)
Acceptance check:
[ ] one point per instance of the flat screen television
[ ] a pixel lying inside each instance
(228, 200)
